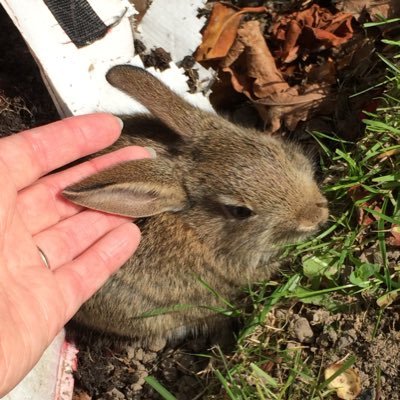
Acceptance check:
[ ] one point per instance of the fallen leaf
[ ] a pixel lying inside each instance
(254, 72)
(260, 76)
(311, 30)
(388, 154)
(221, 30)
(387, 299)
(394, 239)
(347, 385)
(292, 106)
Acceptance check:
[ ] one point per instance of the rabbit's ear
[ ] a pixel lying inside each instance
(137, 188)
(160, 100)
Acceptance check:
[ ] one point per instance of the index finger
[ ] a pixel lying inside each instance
(33, 153)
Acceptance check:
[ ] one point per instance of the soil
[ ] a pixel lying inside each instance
(111, 368)
(328, 338)
(24, 100)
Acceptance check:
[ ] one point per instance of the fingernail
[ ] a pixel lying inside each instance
(121, 123)
(152, 152)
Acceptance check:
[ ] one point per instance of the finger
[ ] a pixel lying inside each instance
(42, 204)
(33, 153)
(81, 278)
(68, 239)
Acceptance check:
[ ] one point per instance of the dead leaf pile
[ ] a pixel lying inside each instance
(310, 31)
(242, 51)
(287, 64)
(263, 83)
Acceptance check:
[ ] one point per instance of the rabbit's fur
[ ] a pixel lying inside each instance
(222, 200)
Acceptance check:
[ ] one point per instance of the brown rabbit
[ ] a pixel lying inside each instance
(221, 200)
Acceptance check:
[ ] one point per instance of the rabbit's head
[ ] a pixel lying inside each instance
(242, 192)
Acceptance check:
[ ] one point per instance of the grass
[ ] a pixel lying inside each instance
(344, 264)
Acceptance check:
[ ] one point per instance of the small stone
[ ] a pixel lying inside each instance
(281, 314)
(140, 367)
(136, 387)
(130, 352)
(157, 345)
(320, 316)
(149, 357)
(114, 394)
(139, 384)
(139, 354)
(301, 329)
(344, 341)
(332, 335)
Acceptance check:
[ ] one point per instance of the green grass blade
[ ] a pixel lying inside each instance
(160, 389)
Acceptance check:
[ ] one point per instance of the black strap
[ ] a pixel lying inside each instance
(78, 20)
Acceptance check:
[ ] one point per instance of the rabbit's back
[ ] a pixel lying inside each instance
(168, 287)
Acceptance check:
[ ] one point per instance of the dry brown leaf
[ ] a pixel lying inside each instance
(261, 76)
(221, 30)
(388, 154)
(387, 299)
(384, 8)
(311, 29)
(291, 107)
(394, 239)
(347, 384)
(254, 73)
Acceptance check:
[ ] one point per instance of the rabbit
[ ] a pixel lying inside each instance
(213, 207)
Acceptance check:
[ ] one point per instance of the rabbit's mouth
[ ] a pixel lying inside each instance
(306, 231)
(295, 236)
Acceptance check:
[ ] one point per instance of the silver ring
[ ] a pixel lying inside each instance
(44, 257)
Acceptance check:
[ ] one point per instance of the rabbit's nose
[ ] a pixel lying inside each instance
(313, 216)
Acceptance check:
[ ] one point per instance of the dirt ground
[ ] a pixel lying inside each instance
(110, 368)
(24, 100)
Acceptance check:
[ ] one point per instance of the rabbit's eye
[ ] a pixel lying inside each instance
(238, 212)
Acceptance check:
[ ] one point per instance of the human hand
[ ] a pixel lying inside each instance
(83, 247)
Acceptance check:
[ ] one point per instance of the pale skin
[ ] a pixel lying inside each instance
(84, 248)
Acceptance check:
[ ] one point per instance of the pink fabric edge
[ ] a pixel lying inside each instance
(68, 363)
